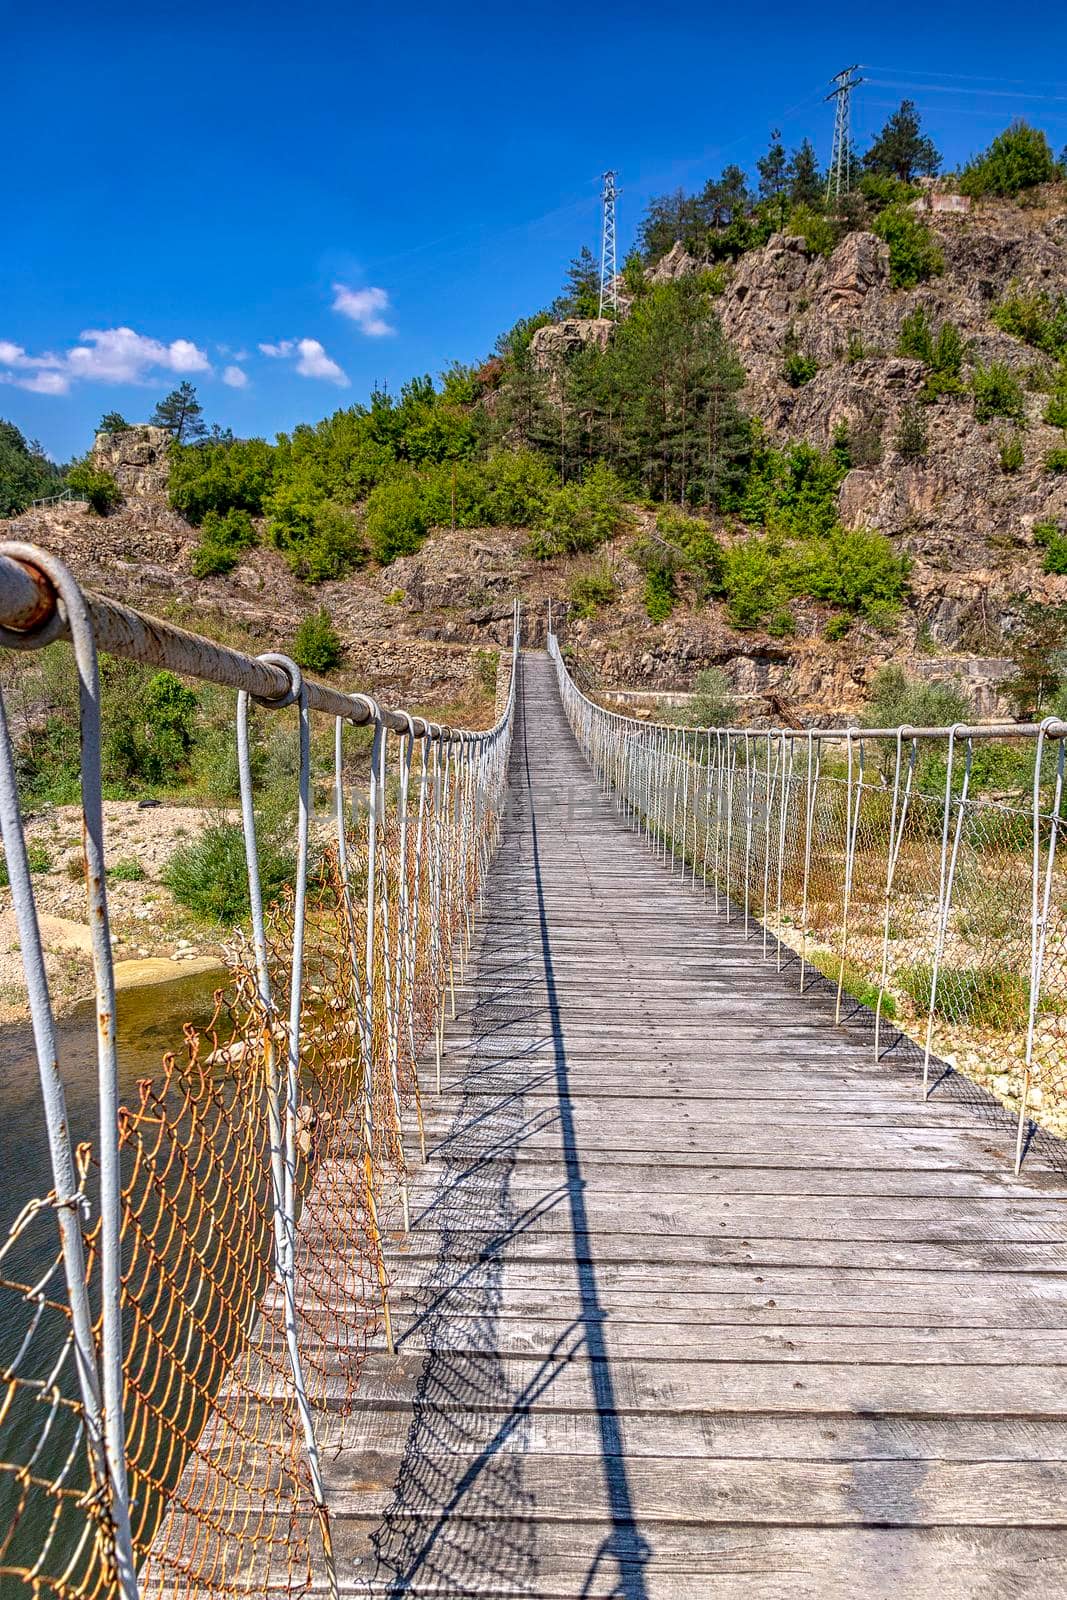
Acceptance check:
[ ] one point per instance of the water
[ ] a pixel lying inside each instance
(149, 1023)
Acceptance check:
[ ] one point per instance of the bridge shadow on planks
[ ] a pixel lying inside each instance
(461, 1519)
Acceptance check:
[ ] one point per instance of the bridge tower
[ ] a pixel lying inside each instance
(609, 294)
(839, 176)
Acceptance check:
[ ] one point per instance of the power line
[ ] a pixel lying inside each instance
(609, 293)
(839, 177)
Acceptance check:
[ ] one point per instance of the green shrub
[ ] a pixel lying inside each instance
(486, 665)
(221, 476)
(781, 624)
(37, 859)
(879, 189)
(688, 545)
(209, 876)
(659, 593)
(1056, 410)
(517, 486)
(897, 700)
(1017, 159)
(396, 519)
(980, 997)
(1038, 318)
(126, 871)
(712, 704)
(883, 615)
(319, 538)
(916, 337)
(99, 488)
(797, 370)
(914, 254)
(853, 567)
(837, 628)
(317, 645)
(997, 393)
(591, 590)
(816, 230)
(793, 491)
(223, 536)
(1010, 448)
(1056, 460)
(752, 582)
(581, 516)
(1052, 539)
(149, 731)
(911, 436)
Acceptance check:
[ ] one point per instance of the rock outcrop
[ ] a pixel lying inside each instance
(555, 343)
(137, 458)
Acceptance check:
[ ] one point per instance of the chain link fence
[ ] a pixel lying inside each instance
(186, 1314)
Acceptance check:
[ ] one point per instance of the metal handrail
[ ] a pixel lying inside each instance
(755, 810)
(41, 601)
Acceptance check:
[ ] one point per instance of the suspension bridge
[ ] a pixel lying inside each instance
(587, 1222)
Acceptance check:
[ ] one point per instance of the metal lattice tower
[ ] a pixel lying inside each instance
(839, 177)
(609, 294)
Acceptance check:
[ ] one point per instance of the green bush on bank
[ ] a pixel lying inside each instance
(224, 536)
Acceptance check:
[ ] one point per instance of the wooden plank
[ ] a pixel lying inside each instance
(699, 1300)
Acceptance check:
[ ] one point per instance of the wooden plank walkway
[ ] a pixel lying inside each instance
(698, 1302)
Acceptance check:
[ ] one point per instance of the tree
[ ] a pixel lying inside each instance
(181, 413)
(98, 488)
(660, 402)
(805, 181)
(581, 296)
(1036, 647)
(773, 169)
(899, 701)
(113, 422)
(1017, 159)
(901, 150)
(726, 199)
(25, 471)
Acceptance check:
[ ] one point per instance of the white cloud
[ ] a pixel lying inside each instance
(45, 383)
(311, 359)
(105, 355)
(364, 307)
(315, 363)
(235, 377)
(119, 355)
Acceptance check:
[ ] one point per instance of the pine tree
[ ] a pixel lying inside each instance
(581, 296)
(774, 176)
(181, 413)
(901, 150)
(805, 181)
(113, 422)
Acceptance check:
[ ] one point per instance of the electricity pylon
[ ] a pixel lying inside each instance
(839, 177)
(609, 294)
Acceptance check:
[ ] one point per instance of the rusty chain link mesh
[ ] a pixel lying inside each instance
(222, 1503)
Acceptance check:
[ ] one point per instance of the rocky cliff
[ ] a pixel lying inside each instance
(416, 627)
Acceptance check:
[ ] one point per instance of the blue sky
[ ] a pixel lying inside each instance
(372, 193)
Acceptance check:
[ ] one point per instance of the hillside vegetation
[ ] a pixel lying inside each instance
(813, 438)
